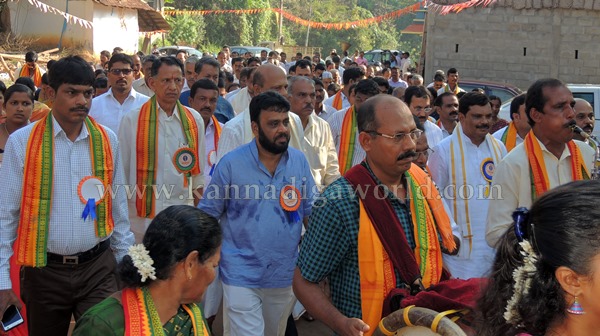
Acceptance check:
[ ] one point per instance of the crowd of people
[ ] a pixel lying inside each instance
(152, 189)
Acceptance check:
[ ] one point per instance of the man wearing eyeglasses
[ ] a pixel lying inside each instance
(462, 166)
(109, 108)
(419, 101)
(163, 149)
(362, 234)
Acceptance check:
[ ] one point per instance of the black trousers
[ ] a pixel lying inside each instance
(55, 292)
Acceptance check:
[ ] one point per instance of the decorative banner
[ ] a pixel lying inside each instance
(300, 21)
(456, 8)
(70, 18)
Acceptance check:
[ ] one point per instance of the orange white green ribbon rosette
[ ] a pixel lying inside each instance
(290, 202)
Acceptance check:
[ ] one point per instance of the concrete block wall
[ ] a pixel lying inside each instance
(504, 44)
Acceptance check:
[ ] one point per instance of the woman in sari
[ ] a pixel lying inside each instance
(17, 105)
(163, 278)
(546, 276)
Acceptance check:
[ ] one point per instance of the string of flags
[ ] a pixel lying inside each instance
(71, 19)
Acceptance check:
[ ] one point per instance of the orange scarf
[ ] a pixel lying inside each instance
(217, 131)
(375, 267)
(37, 74)
(347, 140)
(337, 101)
(36, 201)
(509, 137)
(539, 176)
(146, 151)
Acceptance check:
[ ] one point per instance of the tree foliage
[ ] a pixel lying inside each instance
(251, 29)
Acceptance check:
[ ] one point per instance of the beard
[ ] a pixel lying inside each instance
(272, 146)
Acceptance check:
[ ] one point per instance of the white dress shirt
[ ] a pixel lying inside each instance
(499, 133)
(230, 95)
(335, 122)
(320, 151)
(345, 101)
(241, 101)
(108, 111)
(209, 141)
(433, 133)
(512, 179)
(68, 233)
(327, 112)
(474, 259)
(169, 182)
(140, 86)
(238, 131)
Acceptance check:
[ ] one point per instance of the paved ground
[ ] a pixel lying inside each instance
(305, 328)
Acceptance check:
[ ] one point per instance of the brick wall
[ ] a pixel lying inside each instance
(517, 46)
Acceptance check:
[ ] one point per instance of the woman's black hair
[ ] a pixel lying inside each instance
(17, 88)
(563, 227)
(171, 236)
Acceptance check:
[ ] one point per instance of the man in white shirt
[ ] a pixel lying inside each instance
(241, 100)
(68, 260)
(318, 145)
(462, 166)
(340, 100)
(395, 81)
(418, 100)
(163, 148)
(452, 85)
(321, 110)
(514, 134)
(446, 106)
(190, 72)
(548, 147)
(350, 153)
(108, 109)
(238, 131)
(141, 85)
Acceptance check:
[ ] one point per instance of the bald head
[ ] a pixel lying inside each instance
(584, 117)
(269, 77)
(372, 111)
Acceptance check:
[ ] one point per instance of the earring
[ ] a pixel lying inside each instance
(576, 308)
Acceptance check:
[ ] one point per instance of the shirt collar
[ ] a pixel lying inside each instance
(58, 130)
(162, 113)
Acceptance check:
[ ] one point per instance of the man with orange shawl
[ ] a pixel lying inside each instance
(549, 156)
(31, 69)
(380, 227)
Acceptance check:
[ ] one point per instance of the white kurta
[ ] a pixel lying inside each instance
(475, 257)
(433, 133)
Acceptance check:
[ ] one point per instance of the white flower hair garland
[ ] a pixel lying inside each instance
(142, 261)
(522, 276)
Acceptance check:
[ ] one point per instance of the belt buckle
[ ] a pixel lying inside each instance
(70, 260)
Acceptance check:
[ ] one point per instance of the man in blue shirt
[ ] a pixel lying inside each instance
(208, 67)
(262, 193)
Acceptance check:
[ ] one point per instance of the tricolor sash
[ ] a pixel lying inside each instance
(141, 317)
(459, 158)
(338, 101)
(456, 90)
(382, 243)
(36, 77)
(146, 147)
(509, 137)
(347, 140)
(36, 203)
(539, 176)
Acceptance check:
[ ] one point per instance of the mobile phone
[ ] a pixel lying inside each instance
(11, 318)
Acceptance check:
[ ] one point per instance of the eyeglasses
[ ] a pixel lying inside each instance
(425, 153)
(398, 137)
(426, 109)
(118, 72)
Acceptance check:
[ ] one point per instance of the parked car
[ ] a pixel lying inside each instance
(589, 92)
(380, 56)
(172, 50)
(502, 90)
(241, 50)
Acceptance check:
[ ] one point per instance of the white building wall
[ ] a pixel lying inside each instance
(115, 27)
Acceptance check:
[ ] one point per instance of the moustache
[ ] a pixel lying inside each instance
(484, 126)
(80, 109)
(409, 154)
(284, 136)
(570, 124)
